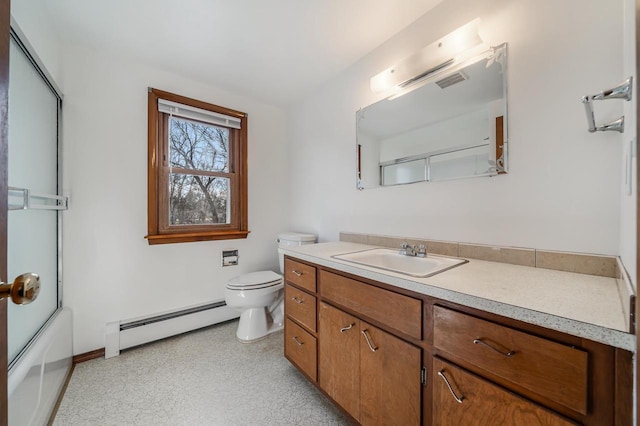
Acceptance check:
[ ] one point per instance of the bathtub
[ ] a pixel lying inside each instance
(37, 378)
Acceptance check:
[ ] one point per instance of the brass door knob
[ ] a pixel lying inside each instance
(24, 290)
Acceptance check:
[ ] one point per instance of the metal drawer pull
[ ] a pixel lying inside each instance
(295, 299)
(349, 327)
(458, 399)
(295, 339)
(483, 343)
(372, 347)
(297, 273)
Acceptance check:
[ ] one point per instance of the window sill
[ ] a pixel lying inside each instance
(195, 236)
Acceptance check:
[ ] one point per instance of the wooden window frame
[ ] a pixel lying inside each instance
(159, 231)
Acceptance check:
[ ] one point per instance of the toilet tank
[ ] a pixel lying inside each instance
(287, 239)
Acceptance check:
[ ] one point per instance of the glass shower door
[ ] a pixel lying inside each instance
(34, 202)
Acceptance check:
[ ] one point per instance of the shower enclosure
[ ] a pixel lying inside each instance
(38, 334)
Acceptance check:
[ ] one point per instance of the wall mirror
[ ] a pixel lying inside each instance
(450, 124)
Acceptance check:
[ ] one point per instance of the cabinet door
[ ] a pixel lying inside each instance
(390, 388)
(339, 357)
(460, 398)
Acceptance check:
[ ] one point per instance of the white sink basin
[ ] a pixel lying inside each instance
(391, 260)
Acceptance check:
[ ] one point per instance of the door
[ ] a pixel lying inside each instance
(33, 202)
(390, 388)
(339, 357)
(30, 202)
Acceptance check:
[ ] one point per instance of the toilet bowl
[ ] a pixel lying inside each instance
(256, 296)
(259, 296)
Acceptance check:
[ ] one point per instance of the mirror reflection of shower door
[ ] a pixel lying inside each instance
(33, 216)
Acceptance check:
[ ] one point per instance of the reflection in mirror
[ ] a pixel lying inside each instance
(450, 125)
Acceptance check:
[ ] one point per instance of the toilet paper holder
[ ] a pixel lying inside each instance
(230, 257)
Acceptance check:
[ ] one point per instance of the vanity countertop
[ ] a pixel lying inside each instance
(583, 305)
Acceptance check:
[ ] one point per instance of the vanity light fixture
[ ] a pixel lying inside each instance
(441, 54)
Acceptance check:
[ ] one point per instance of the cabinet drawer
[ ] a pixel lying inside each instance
(482, 403)
(300, 274)
(550, 369)
(398, 311)
(300, 306)
(300, 348)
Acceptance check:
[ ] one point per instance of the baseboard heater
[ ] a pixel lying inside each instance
(134, 332)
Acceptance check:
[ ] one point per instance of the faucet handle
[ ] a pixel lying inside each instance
(404, 247)
(421, 251)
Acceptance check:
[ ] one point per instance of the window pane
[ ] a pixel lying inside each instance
(198, 200)
(411, 171)
(198, 146)
(463, 163)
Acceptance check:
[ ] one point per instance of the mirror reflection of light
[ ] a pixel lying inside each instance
(453, 47)
(464, 59)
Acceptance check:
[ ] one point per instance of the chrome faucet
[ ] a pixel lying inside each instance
(407, 249)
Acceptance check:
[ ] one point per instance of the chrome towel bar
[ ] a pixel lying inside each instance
(28, 200)
(621, 91)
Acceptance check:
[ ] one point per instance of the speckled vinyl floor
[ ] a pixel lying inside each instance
(201, 378)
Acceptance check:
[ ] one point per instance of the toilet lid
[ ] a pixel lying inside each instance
(255, 280)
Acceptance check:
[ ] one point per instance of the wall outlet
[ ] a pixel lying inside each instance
(230, 257)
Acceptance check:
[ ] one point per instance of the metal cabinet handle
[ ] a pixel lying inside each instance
(295, 339)
(485, 344)
(349, 327)
(297, 273)
(458, 399)
(371, 346)
(298, 301)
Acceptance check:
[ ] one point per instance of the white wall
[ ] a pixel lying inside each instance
(562, 191)
(628, 203)
(110, 272)
(34, 21)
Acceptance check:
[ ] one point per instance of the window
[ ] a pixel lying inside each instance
(197, 170)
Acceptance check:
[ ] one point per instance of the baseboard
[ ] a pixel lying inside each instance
(87, 356)
(125, 334)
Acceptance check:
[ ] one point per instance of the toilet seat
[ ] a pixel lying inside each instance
(254, 281)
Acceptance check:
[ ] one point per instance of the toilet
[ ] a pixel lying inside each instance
(259, 296)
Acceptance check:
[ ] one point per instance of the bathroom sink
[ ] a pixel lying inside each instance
(392, 260)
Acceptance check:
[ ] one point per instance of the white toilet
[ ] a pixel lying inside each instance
(259, 296)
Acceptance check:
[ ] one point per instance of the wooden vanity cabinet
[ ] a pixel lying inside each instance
(370, 373)
(549, 377)
(550, 369)
(339, 357)
(300, 306)
(300, 347)
(390, 383)
(390, 357)
(300, 274)
(461, 398)
(300, 339)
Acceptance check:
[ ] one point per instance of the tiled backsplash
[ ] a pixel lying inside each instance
(604, 266)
